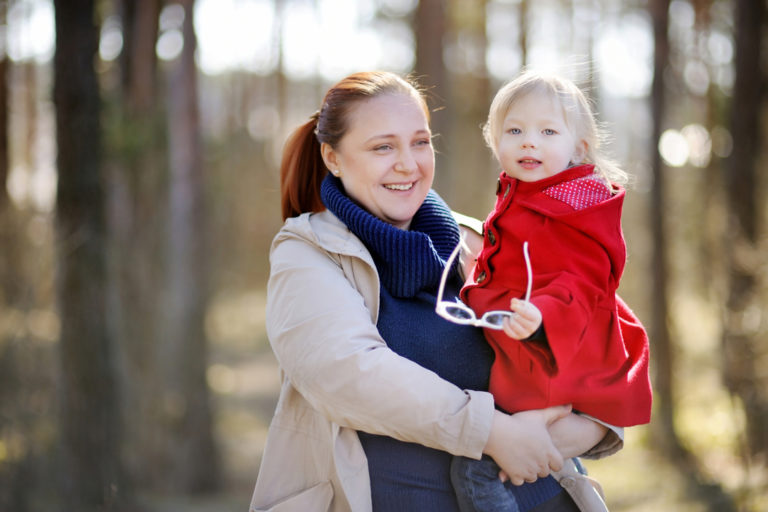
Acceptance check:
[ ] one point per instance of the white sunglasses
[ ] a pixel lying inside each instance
(459, 313)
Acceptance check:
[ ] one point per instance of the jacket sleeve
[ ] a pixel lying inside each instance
(326, 343)
(569, 301)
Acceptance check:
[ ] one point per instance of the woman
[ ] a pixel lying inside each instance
(378, 391)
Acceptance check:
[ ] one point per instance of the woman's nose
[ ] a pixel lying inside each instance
(407, 162)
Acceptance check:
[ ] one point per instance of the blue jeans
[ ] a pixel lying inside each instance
(478, 489)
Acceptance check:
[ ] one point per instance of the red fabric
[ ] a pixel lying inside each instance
(596, 353)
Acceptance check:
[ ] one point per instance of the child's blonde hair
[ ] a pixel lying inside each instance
(577, 113)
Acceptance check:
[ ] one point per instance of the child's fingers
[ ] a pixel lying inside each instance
(525, 321)
(514, 328)
(521, 305)
(526, 311)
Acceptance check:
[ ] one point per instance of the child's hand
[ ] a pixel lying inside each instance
(526, 320)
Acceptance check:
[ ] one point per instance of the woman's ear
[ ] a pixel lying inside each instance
(330, 157)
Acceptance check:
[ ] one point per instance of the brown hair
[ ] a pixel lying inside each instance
(302, 169)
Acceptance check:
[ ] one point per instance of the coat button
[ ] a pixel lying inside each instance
(506, 191)
(491, 237)
(498, 186)
(481, 277)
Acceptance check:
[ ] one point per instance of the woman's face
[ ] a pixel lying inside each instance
(385, 160)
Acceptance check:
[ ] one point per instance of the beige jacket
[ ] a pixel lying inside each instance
(339, 377)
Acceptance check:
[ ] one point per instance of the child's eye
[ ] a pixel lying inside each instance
(514, 131)
(549, 131)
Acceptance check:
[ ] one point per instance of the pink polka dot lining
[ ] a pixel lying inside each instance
(580, 193)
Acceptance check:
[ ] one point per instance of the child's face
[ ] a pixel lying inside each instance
(536, 142)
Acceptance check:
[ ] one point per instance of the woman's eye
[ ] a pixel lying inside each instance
(423, 142)
(383, 147)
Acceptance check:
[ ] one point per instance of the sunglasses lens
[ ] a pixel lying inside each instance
(495, 319)
(458, 313)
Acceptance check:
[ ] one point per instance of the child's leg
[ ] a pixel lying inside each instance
(478, 488)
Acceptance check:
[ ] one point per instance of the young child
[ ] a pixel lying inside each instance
(557, 224)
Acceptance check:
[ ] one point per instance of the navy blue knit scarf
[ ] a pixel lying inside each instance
(407, 261)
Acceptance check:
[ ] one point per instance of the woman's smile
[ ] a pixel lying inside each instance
(400, 186)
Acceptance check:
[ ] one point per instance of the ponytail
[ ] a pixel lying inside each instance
(301, 172)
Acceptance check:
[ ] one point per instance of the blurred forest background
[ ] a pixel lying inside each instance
(139, 146)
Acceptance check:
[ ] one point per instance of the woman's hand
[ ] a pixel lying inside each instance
(521, 445)
(526, 320)
(574, 435)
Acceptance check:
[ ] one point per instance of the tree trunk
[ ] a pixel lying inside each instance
(473, 180)
(29, 151)
(522, 40)
(188, 425)
(136, 198)
(138, 62)
(10, 289)
(91, 473)
(666, 440)
(281, 90)
(429, 28)
(663, 353)
(4, 155)
(744, 352)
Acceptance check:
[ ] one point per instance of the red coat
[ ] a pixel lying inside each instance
(596, 351)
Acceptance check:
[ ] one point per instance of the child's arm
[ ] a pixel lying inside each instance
(574, 435)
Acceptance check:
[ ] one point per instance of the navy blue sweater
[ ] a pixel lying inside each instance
(408, 476)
